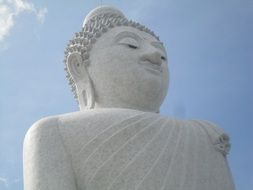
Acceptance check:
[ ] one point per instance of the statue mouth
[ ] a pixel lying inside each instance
(152, 67)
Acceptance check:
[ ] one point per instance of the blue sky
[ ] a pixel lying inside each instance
(210, 49)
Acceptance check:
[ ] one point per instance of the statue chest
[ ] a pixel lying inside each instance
(149, 152)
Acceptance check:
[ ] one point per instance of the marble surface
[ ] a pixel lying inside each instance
(118, 73)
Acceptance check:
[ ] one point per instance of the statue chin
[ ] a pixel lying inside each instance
(146, 97)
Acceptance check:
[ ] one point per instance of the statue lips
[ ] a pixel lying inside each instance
(152, 67)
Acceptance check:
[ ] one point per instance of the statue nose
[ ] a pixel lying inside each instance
(154, 58)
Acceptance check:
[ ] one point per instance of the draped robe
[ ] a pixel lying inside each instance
(122, 149)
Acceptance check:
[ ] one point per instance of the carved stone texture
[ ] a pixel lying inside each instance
(119, 74)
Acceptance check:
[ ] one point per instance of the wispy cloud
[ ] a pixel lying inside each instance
(9, 9)
(6, 20)
(4, 181)
(41, 15)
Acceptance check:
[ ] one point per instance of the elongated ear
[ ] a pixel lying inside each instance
(75, 66)
(80, 75)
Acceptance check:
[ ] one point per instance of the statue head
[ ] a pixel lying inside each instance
(116, 63)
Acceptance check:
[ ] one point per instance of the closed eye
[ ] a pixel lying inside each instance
(132, 46)
(129, 42)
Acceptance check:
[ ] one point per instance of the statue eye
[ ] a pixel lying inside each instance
(163, 58)
(129, 42)
(132, 46)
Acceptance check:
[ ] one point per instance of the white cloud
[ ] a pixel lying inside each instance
(21, 5)
(6, 20)
(4, 181)
(9, 9)
(41, 15)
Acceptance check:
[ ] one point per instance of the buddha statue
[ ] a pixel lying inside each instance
(118, 72)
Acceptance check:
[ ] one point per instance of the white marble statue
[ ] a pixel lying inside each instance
(119, 75)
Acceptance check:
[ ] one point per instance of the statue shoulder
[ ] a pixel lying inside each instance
(217, 136)
(49, 125)
(41, 133)
(45, 158)
(43, 126)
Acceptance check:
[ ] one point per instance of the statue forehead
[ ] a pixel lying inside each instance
(128, 31)
(121, 31)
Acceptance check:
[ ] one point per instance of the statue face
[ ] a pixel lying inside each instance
(129, 70)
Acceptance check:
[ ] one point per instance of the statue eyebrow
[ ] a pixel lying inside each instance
(133, 35)
(158, 45)
(125, 34)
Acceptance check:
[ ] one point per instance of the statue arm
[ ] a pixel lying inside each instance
(220, 142)
(217, 136)
(47, 164)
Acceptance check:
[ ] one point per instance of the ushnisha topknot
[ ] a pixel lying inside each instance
(97, 22)
(102, 10)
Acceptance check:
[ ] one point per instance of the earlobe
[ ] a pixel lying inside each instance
(74, 65)
(84, 87)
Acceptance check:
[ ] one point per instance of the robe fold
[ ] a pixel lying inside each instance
(121, 149)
